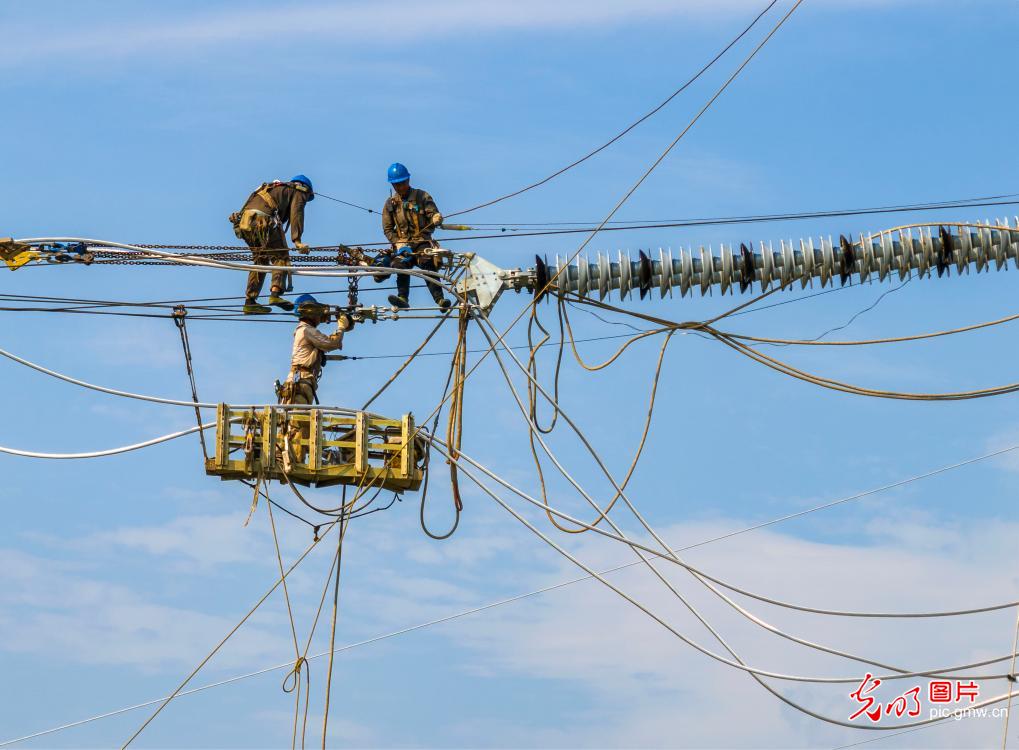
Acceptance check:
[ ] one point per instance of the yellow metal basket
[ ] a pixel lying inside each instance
(318, 448)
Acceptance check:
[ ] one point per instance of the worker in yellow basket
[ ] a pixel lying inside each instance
(409, 217)
(310, 345)
(306, 362)
(261, 223)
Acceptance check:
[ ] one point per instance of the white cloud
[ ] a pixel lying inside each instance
(204, 541)
(49, 609)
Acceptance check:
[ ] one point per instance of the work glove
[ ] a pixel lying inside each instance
(344, 322)
(302, 248)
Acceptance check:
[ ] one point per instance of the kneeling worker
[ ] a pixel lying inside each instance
(261, 224)
(409, 217)
(310, 345)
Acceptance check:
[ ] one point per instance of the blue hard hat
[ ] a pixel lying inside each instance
(397, 173)
(306, 182)
(304, 299)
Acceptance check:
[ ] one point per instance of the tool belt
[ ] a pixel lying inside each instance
(253, 226)
(300, 381)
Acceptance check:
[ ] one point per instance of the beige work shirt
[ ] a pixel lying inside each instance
(308, 343)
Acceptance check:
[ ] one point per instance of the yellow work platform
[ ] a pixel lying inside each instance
(318, 448)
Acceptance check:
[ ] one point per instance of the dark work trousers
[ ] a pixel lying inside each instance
(425, 263)
(275, 254)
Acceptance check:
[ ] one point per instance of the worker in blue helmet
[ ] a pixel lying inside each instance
(310, 345)
(409, 216)
(261, 223)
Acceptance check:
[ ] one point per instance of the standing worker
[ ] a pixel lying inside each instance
(306, 362)
(310, 345)
(261, 223)
(409, 217)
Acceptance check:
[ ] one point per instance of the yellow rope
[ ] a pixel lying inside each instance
(344, 523)
(233, 630)
(603, 513)
(454, 424)
(868, 342)
(532, 394)
(298, 659)
(832, 384)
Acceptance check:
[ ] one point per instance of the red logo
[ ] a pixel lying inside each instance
(908, 703)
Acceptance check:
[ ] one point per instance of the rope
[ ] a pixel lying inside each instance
(532, 367)
(427, 461)
(307, 646)
(227, 637)
(180, 320)
(276, 504)
(454, 425)
(829, 383)
(837, 385)
(636, 457)
(298, 661)
(332, 638)
(533, 387)
(868, 342)
(628, 128)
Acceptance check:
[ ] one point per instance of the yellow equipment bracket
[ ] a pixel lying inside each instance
(317, 448)
(15, 254)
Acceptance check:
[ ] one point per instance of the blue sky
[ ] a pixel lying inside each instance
(148, 123)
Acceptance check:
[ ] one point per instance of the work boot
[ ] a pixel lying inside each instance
(251, 307)
(443, 303)
(283, 304)
(397, 301)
